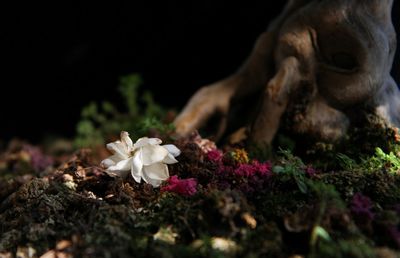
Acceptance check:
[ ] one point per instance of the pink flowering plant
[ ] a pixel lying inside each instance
(186, 187)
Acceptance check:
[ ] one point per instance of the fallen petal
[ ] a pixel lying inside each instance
(107, 163)
(118, 148)
(137, 167)
(153, 182)
(154, 141)
(172, 149)
(118, 173)
(141, 142)
(151, 154)
(169, 159)
(158, 171)
(111, 161)
(123, 165)
(127, 140)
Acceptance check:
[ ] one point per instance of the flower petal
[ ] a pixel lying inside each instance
(154, 141)
(172, 149)
(119, 173)
(123, 165)
(106, 163)
(111, 161)
(155, 174)
(118, 148)
(141, 142)
(127, 141)
(136, 167)
(151, 154)
(169, 159)
(157, 171)
(144, 141)
(153, 182)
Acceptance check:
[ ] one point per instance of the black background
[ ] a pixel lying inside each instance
(57, 57)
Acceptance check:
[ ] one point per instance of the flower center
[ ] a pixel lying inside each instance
(133, 152)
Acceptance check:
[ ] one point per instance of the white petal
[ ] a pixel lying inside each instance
(172, 149)
(136, 167)
(107, 163)
(157, 171)
(111, 161)
(144, 141)
(155, 174)
(118, 148)
(154, 141)
(151, 154)
(153, 182)
(123, 165)
(122, 174)
(170, 159)
(127, 140)
(141, 142)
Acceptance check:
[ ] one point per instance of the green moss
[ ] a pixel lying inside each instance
(289, 210)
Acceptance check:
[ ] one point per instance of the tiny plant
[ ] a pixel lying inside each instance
(382, 160)
(346, 162)
(292, 168)
(101, 121)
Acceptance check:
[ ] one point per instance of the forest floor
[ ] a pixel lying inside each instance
(220, 203)
(235, 201)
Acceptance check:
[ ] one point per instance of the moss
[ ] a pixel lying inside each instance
(359, 143)
(9, 238)
(380, 186)
(280, 208)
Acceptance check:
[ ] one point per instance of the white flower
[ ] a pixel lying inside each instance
(145, 159)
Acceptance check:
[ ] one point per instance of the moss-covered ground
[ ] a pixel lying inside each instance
(315, 201)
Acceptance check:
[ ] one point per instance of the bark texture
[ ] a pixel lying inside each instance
(320, 64)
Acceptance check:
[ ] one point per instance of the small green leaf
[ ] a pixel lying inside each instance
(319, 232)
(302, 186)
(345, 161)
(322, 233)
(278, 169)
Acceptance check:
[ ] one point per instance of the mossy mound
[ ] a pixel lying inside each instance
(241, 207)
